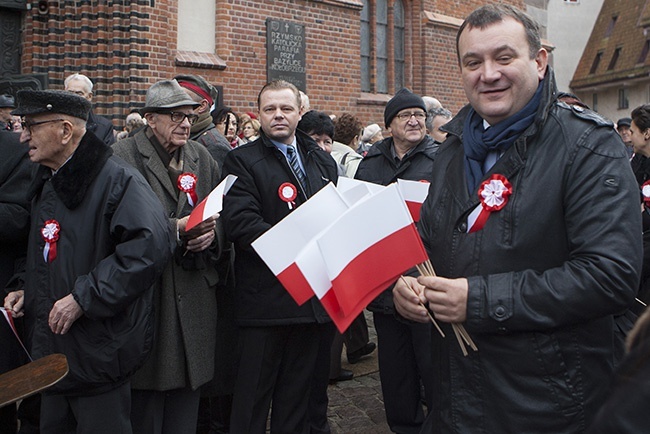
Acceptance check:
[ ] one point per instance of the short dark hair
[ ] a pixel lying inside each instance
(641, 117)
(315, 122)
(279, 85)
(490, 14)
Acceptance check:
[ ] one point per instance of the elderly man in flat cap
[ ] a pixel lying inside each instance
(182, 173)
(99, 239)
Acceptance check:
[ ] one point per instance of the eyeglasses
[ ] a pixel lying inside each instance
(419, 116)
(178, 117)
(28, 125)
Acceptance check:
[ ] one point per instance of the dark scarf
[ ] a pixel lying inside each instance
(478, 142)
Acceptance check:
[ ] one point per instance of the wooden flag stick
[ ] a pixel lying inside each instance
(459, 339)
(426, 269)
(428, 313)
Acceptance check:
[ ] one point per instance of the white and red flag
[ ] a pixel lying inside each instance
(414, 194)
(363, 263)
(280, 246)
(212, 204)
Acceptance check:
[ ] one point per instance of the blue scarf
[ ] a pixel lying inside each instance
(478, 142)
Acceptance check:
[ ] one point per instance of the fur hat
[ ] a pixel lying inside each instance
(402, 100)
(199, 86)
(369, 132)
(166, 94)
(34, 102)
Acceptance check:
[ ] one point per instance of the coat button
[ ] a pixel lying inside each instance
(500, 311)
(462, 227)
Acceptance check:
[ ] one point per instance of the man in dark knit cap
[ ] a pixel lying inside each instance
(404, 355)
(99, 238)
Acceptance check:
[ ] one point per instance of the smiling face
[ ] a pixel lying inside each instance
(170, 134)
(499, 77)
(279, 114)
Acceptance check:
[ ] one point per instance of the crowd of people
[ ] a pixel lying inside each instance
(537, 226)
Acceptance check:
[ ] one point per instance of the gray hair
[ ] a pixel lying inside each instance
(431, 115)
(86, 81)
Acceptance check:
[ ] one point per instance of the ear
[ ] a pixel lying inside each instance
(68, 130)
(541, 60)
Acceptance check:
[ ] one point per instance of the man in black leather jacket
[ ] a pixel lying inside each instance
(532, 221)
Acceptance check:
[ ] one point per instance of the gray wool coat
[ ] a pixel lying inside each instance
(184, 300)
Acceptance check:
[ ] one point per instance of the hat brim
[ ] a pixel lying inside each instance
(144, 110)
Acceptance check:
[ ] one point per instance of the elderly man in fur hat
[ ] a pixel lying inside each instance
(99, 239)
(182, 173)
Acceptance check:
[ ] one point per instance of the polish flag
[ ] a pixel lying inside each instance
(211, 205)
(414, 194)
(280, 247)
(363, 263)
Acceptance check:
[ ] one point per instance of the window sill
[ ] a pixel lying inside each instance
(196, 59)
(373, 98)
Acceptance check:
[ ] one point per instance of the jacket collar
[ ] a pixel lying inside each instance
(73, 179)
(426, 146)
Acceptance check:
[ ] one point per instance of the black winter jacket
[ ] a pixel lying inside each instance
(379, 167)
(251, 207)
(546, 274)
(114, 242)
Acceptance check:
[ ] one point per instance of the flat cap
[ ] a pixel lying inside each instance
(34, 102)
(166, 94)
(624, 122)
(199, 86)
(7, 101)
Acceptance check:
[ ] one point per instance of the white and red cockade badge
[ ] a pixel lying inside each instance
(645, 191)
(50, 234)
(288, 193)
(493, 194)
(187, 184)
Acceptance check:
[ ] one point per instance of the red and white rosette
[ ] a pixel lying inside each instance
(645, 191)
(187, 184)
(493, 194)
(50, 234)
(288, 193)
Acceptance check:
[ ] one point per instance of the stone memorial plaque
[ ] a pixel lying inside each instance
(285, 52)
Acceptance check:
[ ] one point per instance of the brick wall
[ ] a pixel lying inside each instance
(126, 45)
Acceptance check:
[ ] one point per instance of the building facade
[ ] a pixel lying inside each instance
(356, 53)
(613, 75)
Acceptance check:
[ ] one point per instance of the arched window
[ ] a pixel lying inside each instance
(398, 40)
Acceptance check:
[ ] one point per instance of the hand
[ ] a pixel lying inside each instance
(14, 303)
(407, 302)
(447, 298)
(201, 236)
(63, 314)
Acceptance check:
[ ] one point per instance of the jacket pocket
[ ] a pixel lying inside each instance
(562, 382)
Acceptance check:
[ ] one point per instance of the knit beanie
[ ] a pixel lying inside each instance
(402, 100)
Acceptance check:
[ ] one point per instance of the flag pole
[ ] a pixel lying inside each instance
(463, 338)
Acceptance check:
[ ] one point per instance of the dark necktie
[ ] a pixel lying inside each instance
(295, 166)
